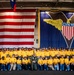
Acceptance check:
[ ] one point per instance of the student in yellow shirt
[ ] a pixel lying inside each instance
(24, 63)
(45, 64)
(2, 61)
(8, 62)
(13, 63)
(72, 63)
(3, 54)
(50, 63)
(42, 53)
(68, 53)
(56, 63)
(62, 61)
(46, 53)
(10, 53)
(19, 52)
(52, 53)
(24, 54)
(18, 62)
(40, 63)
(67, 63)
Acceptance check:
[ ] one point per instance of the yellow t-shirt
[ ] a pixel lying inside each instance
(50, 61)
(52, 53)
(19, 53)
(46, 53)
(10, 53)
(62, 60)
(31, 53)
(40, 61)
(15, 52)
(65, 52)
(44, 61)
(69, 53)
(56, 60)
(28, 60)
(72, 52)
(72, 60)
(3, 55)
(2, 61)
(24, 54)
(62, 53)
(38, 53)
(42, 54)
(18, 61)
(7, 53)
(7, 59)
(25, 61)
(67, 61)
(12, 60)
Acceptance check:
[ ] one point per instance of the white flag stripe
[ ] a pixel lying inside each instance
(67, 32)
(72, 31)
(16, 33)
(17, 20)
(17, 40)
(16, 46)
(17, 13)
(17, 27)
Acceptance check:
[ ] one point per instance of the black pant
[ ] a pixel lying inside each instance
(72, 67)
(0, 67)
(24, 66)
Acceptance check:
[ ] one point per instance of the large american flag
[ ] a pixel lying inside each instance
(17, 28)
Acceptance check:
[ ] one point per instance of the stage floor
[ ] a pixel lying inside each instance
(37, 73)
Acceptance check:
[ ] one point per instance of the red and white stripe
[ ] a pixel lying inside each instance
(17, 28)
(68, 31)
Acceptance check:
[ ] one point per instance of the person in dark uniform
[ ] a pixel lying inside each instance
(34, 61)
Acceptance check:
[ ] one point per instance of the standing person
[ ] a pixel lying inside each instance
(72, 63)
(62, 61)
(8, 63)
(56, 63)
(24, 63)
(50, 63)
(45, 64)
(13, 63)
(67, 63)
(34, 61)
(18, 66)
(40, 63)
(2, 61)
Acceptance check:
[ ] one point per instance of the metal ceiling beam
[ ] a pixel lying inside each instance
(40, 5)
(38, 0)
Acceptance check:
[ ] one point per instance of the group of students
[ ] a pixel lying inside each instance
(36, 59)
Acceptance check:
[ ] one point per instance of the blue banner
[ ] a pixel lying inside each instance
(49, 35)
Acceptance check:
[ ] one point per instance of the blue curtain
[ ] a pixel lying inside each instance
(72, 46)
(49, 35)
